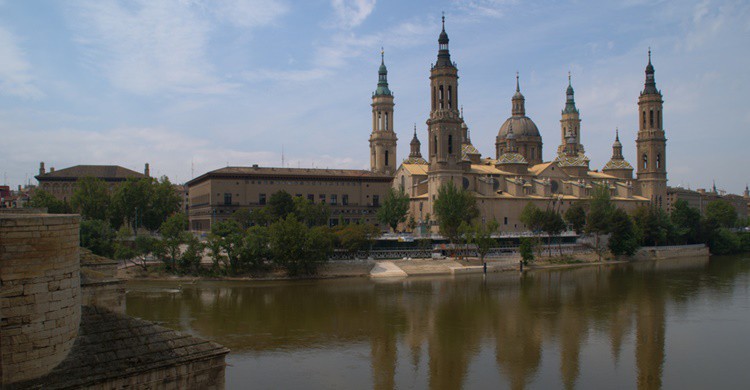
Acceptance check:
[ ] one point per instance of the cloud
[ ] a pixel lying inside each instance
(148, 47)
(484, 8)
(351, 13)
(15, 77)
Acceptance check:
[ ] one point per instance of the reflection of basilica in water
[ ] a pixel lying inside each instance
(540, 328)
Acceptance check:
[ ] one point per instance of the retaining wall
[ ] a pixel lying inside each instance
(671, 252)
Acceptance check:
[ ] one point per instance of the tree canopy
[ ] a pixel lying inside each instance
(453, 206)
(394, 208)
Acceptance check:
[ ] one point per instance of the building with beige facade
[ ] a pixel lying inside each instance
(700, 198)
(62, 183)
(517, 174)
(353, 196)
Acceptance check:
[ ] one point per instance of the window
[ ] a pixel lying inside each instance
(262, 199)
(434, 143)
(505, 220)
(385, 125)
(227, 199)
(450, 144)
(644, 119)
(334, 199)
(322, 198)
(645, 162)
(380, 122)
(402, 183)
(376, 200)
(345, 199)
(433, 98)
(311, 197)
(440, 96)
(386, 158)
(658, 160)
(450, 96)
(651, 118)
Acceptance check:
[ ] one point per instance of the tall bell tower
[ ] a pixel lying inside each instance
(651, 142)
(383, 138)
(444, 123)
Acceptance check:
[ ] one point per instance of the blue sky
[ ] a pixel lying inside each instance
(193, 85)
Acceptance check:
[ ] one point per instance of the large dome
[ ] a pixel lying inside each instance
(523, 126)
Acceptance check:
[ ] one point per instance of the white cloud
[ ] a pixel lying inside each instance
(484, 8)
(148, 47)
(15, 76)
(351, 13)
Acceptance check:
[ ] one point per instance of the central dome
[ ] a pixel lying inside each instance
(523, 126)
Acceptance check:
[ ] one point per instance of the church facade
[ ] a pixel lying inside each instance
(517, 174)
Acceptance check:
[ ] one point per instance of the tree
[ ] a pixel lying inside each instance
(287, 243)
(598, 218)
(533, 218)
(624, 238)
(244, 217)
(97, 236)
(91, 198)
(722, 212)
(255, 248)
(280, 205)
(553, 225)
(144, 202)
(174, 234)
(394, 208)
(227, 237)
(482, 238)
(309, 213)
(164, 202)
(687, 222)
(575, 216)
(356, 237)
(654, 226)
(452, 207)
(318, 248)
(190, 262)
(526, 249)
(43, 199)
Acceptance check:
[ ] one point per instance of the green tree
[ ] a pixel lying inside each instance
(482, 238)
(43, 199)
(227, 237)
(164, 202)
(144, 202)
(98, 236)
(687, 222)
(280, 205)
(174, 234)
(394, 208)
(552, 224)
(311, 214)
(255, 248)
(453, 206)
(190, 261)
(318, 248)
(599, 216)
(575, 216)
(91, 198)
(526, 249)
(244, 217)
(654, 226)
(623, 239)
(722, 212)
(356, 237)
(533, 218)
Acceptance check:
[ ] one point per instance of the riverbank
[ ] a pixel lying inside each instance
(426, 266)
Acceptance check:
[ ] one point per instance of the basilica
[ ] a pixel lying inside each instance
(516, 175)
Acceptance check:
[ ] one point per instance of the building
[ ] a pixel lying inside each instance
(62, 183)
(352, 195)
(517, 174)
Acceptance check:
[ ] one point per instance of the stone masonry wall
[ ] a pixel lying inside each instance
(40, 304)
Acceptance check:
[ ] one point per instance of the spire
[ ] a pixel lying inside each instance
(617, 146)
(650, 85)
(444, 56)
(415, 155)
(519, 102)
(382, 76)
(570, 103)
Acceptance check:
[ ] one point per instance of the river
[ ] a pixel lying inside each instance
(673, 324)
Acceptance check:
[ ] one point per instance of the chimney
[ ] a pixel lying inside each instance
(41, 168)
(147, 171)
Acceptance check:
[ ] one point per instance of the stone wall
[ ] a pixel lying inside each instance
(671, 252)
(40, 304)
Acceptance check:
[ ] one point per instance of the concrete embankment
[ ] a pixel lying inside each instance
(670, 252)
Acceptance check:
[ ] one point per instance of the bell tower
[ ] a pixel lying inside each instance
(444, 123)
(570, 123)
(383, 138)
(651, 143)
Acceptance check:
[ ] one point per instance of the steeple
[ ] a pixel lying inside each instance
(519, 102)
(415, 156)
(650, 85)
(382, 76)
(617, 166)
(570, 103)
(444, 56)
(617, 147)
(747, 192)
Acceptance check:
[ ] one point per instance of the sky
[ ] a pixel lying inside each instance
(195, 85)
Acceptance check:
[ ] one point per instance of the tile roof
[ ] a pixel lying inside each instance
(291, 172)
(100, 171)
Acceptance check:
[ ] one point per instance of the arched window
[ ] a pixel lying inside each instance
(644, 119)
(434, 143)
(433, 98)
(386, 158)
(403, 186)
(645, 161)
(450, 96)
(651, 118)
(385, 124)
(658, 160)
(450, 144)
(440, 97)
(380, 121)
(533, 153)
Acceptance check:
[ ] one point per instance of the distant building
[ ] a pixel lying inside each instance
(701, 198)
(352, 195)
(62, 183)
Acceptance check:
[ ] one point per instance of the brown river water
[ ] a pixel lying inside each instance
(673, 324)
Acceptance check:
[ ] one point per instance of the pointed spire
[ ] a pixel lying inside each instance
(518, 85)
(415, 146)
(518, 101)
(650, 85)
(617, 146)
(382, 76)
(570, 103)
(444, 56)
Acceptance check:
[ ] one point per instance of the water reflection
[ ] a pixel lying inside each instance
(544, 328)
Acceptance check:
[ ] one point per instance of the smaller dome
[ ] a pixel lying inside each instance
(523, 126)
